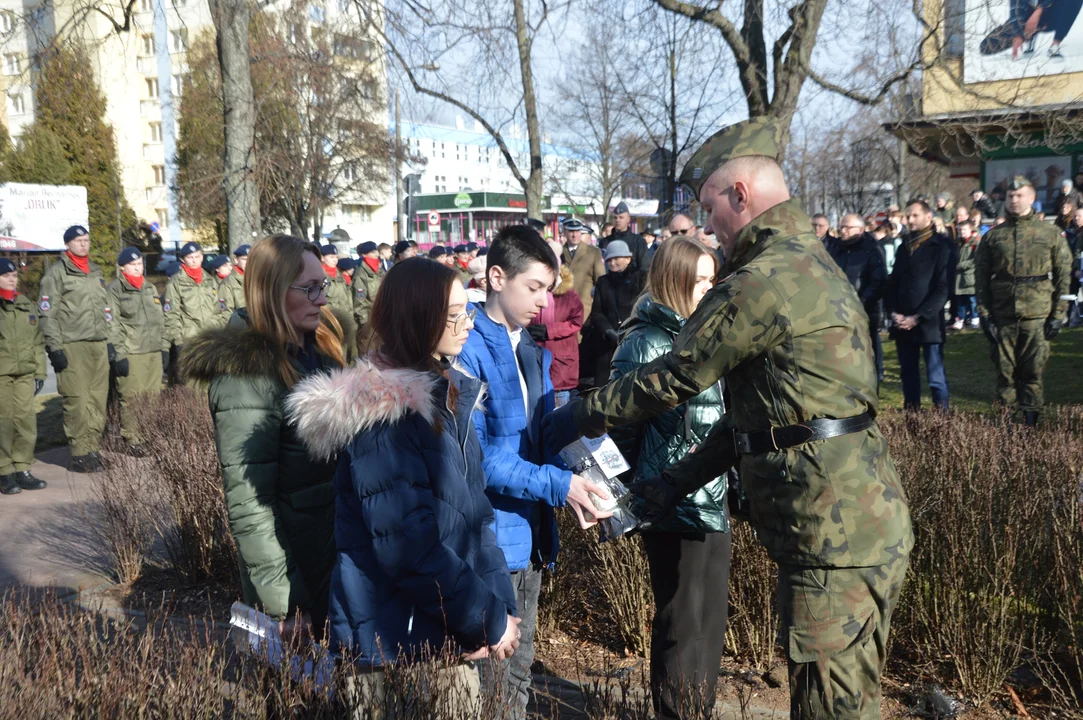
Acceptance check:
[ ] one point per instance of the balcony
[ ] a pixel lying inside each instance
(147, 65)
(153, 151)
(150, 108)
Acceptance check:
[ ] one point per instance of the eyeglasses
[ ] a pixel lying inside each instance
(313, 292)
(852, 227)
(458, 323)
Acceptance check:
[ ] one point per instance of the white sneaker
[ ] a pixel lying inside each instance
(958, 325)
(975, 322)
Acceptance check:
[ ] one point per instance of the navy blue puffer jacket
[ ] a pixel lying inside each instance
(418, 568)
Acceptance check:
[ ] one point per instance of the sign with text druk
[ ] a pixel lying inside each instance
(33, 218)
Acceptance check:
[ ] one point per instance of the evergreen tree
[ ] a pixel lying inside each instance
(38, 157)
(71, 108)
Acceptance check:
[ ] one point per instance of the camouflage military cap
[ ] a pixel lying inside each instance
(1019, 182)
(755, 136)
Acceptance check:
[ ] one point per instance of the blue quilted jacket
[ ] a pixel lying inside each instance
(418, 569)
(521, 486)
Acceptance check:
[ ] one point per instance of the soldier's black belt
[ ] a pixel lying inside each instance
(1023, 278)
(781, 438)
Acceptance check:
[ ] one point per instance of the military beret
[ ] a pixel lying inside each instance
(7, 266)
(366, 247)
(401, 247)
(127, 255)
(622, 207)
(217, 261)
(755, 136)
(460, 249)
(347, 264)
(1019, 182)
(471, 246)
(328, 249)
(189, 248)
(242, 251)
(483, 251)
(436, 251)
(172, 268)
(73, 232)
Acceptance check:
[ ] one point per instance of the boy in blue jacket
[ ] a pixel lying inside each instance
(521, 483)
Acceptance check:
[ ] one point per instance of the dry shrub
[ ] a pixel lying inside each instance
(125, 521)
(193, 523)
(60, 660)
(982, 492)
(620, 571)
(752, 633)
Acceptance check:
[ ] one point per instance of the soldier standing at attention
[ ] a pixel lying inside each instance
(223, 270)
(1022, 272)
(231, 289)
(22, 375)
(140, 351)
(339, 296)
(366, 282)
(788, 332)
(75, 313)
(191, 300)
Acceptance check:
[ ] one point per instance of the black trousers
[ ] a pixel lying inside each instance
(690, 581)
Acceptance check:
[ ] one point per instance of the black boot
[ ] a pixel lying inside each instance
(86, 464)
(8, 486)
(138, 450)
(28, 482)
(1030, 418)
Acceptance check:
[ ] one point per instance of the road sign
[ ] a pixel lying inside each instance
(155, 227)
(434, 219)
(463, 200)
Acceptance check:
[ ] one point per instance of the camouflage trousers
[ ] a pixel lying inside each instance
(834, 624)
(1019, 357)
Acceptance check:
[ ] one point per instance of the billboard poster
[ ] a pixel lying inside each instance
(1044, 172)
(33, 218)
(1013, 39)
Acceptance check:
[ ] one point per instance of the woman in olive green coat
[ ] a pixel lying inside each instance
(280, 501)
(689, 553)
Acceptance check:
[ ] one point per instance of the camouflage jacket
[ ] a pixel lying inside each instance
(788, 333)
(1022, 271)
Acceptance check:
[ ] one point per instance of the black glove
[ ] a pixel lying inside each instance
(1052, 327)
(655, 501)
(539, 332)
(111, 353)
(558, 427)
(58, 360)
(612, 336)
(165, 361)
(38, 385)
(120, 367)
(990, 329)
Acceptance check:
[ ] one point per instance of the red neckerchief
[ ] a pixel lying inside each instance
(331, 272)
(196, 274)
(465, 265)
(373, 263)
(347, 278)
(135, 280)
(83, 263)
(239, 269)
(8, 295)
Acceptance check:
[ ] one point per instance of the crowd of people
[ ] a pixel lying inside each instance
(388, 428)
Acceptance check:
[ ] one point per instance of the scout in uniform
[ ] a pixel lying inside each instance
(191, 302)
(75, 314)
(22, 375)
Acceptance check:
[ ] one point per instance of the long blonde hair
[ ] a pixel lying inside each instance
(672, 275)
(273, 265)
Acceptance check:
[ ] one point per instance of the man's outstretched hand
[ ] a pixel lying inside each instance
(657, 499)
(558, 427)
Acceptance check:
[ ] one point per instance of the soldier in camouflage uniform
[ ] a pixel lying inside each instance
(1022, 274)
(789, 334)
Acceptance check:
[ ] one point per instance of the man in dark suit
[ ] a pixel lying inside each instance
(860, 257)
(917, 290)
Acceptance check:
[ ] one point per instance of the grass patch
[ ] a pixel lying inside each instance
(50, 412)
(971, 380)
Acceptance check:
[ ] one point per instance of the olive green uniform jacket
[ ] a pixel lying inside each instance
(73, 304)
(231, 293)
(366, 284)
(280, 501)
(22, 344)
(191, 307)
(138, 325)
(788, 333)
(340, 295)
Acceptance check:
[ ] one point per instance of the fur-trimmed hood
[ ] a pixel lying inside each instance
(235, 349)
(329, 409)
(567, 279)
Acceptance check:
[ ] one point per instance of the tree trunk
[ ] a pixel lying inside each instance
(231, 22)
(533, 128)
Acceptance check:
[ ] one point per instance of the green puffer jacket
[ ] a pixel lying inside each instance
(281, 502)
(22, 346)
(652, 446)
(73, 304)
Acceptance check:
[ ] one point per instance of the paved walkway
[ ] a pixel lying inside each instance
(45, 536)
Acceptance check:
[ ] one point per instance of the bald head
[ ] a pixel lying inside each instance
(681, 224)
(739, 191)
